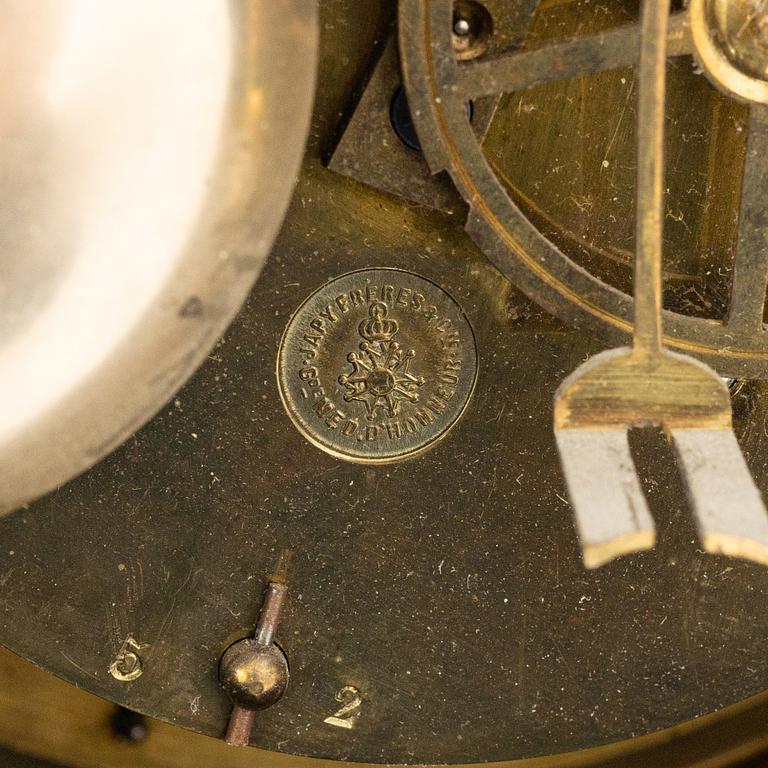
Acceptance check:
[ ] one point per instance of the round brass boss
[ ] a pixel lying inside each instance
(377, 365)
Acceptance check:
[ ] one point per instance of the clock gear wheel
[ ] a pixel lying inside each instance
(441, 78)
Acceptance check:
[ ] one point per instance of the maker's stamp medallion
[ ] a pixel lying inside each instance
(377, 365)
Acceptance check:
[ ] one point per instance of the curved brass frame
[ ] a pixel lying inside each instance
(438, 88)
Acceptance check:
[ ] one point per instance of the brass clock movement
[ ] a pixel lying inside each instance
(468, 462)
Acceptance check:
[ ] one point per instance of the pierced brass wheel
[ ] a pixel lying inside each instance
(439, 86)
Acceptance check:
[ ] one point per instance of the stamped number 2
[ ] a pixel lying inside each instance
(346, 716)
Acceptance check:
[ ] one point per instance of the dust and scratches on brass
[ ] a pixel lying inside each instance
(750, 276)
(254, 671)
(371, 152)
(369, 149)
(377, 365)
(731, 44)
(381, 565)
(347, 714)
(623, 388)
(127, 664)
(606, 50)
(438, 85)
(619, 388)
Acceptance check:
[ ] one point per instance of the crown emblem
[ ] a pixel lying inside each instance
(380, 376)
(377, 327)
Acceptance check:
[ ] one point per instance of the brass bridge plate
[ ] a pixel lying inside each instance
(447, 590)
(377, 365)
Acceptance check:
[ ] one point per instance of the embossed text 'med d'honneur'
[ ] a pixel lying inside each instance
(377, 365)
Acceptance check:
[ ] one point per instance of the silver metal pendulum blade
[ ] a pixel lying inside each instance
(611, 513)
(730, 513)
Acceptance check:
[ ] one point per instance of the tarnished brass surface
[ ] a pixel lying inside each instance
(46, 718)
(645, 384)
(448, 590)
(377, 365)
(438, 87)
(369, 149)
(648, 385)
